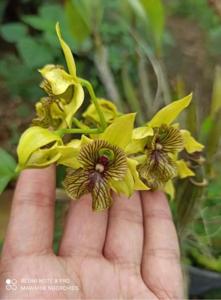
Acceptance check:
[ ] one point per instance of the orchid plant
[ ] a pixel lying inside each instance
(109, 155)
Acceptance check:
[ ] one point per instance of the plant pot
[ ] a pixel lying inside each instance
(202, 281)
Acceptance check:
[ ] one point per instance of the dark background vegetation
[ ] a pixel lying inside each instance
(141, 54)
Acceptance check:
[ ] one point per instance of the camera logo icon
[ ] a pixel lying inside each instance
(11, 284)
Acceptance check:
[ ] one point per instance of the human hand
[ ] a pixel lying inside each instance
(128, 252)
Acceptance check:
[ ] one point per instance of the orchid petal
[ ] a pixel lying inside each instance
(190, 144)
(108, 108)
(169, 189)
(71, 108)
(32, 140)
(43, 158)
(170, 112)
(183, 170)
(58, 79)
(69, 154)
(142, 132)
(67, 53)
(119, 133)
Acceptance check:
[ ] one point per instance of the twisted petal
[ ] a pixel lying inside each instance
(183, 170)
(190, 144)
(170, 112)
(75, 103)
(67, 53)
(138, 184)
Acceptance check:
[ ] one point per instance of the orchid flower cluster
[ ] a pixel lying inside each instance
(109, 155)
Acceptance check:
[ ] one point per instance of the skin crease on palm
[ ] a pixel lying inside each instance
(127, 252)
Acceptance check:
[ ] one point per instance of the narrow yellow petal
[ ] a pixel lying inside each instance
(138, 184)
(67, 53)
(170, 112)
(75, 103)
(169, 189)
(190, 144)
(183, 170)
(119, 133)
(33, 139)
(142, 132)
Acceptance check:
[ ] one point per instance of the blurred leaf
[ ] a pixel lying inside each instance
(7, 168)
(213, 137)
(13, 32)
(137, 8)
(90, 11)
(33, 52)
(37, 22)
(48, 15)
(216, 97)
(51, 12)
(78, 26)
(131, 95)
(205, 128)
(26, 84)
(156, 16)
(3, 4)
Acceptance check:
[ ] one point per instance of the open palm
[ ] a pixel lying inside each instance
(128, 252)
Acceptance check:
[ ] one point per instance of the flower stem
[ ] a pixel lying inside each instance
(64, 131)
(91, 92)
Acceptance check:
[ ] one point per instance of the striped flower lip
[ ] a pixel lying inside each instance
(100, 162)
(160, 166)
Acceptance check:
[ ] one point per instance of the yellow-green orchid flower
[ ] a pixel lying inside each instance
(109, 111)
(37, 148)
(102, 166)
(65, 93)
(161, 140)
